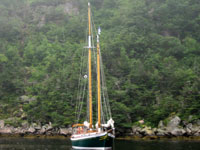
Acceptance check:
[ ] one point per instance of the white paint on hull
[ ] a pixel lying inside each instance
(95, 148)
(88, 136)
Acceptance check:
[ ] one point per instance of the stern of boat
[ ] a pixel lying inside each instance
(96, 141)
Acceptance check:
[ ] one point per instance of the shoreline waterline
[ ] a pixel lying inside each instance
(34, 136)
(42, 136)
(181, 138)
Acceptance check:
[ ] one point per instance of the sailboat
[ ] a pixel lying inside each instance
(86, 135)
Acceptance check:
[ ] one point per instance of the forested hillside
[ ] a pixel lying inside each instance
(150, 48)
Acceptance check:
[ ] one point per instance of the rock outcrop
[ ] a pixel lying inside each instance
(174, 128)
(65, 131)
(34, 129)
(2, 123)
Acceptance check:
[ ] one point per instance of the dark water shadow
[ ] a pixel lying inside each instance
(65, 144)
(157, 145)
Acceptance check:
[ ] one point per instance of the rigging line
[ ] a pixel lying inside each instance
(80, 81)
(82, 90)
(103, 81)
(93, 51)
(82, 97)
(88, 107)
(105, 88)
(93, 33)
(108, 104)
(81, 66)
(103, 92)
(81, 85)
(81, 76)
(105, 106)
(96, 69)
(84, 83)
(106, 91)
(94, 25)
(82, 102)
(102, 114)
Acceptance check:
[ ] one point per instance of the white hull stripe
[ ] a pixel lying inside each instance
(88, 137)
(111, 135)
(95, 148)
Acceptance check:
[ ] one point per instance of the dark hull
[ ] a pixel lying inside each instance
(98, 141)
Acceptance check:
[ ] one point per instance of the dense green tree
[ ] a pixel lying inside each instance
(150, 51)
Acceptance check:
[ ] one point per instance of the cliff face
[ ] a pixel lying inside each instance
(45, 12)
(19, 18)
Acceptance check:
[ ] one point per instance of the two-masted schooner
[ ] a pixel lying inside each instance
(86, 135)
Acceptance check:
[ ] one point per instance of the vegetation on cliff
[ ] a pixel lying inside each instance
(151, 53)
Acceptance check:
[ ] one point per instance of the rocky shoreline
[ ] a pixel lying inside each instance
(174, 128)
(33, 129)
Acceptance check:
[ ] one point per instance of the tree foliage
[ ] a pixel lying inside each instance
(150, 51)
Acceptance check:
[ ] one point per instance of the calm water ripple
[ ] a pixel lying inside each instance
(64, 144)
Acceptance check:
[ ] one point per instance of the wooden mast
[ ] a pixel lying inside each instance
(89, 65)
(98, 82)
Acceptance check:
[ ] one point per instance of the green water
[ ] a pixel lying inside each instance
(64, 144)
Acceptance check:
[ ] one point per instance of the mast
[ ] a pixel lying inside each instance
(89, 65)
(98, 80)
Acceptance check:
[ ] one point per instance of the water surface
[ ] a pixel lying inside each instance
(64, 144)
(157, 145)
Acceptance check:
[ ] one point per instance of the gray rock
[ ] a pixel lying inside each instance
(150, 133)
(198, 122)
(43, 130)
(195, 129)
(42, 21)
(65, 131)
(70, 9)
(160, 132)
(31, 130)
(19, 130)
(36, 126)
(17, 113)
(174, 122)
(49, 127)
(2, 123)
(184, 123)
(190, 118)
(189, 126)
(178, 132)
(155, 130)
(147, 131)
(136, 129)
(6, 130)
(138, 134)
(23, 116)
(188, 131)
(197, 134)
(24, 98)
(27, 99)
(25, 124)
(161, 125)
